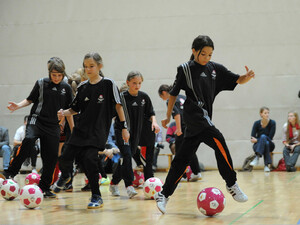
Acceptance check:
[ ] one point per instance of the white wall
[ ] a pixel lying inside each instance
(155, 37)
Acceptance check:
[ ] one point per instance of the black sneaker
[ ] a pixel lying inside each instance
(87, 187)
(59, 184)
(96, 202)
(49, 194)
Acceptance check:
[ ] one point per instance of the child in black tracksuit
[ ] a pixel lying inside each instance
(137, 106)
(177, 114)
(48, 95)
(202, 80)
(96, 101)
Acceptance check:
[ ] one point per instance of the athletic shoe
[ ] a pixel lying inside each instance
(184, 179)
(266, 169)
(254, 161)
(60, 184)
(161, 202)
(195, 177)
(131, 192)
(96, 202)
(68, 188)
(87, 187)
(49, 194)
(114, 190)
(237, 193)
(105, 181)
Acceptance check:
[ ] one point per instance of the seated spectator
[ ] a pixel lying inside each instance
(291, 141)
(18, 138)
(263, 131)
(4, 147)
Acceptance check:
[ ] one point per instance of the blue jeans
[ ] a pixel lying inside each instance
(263, 147)
(5, 151)
(291, 158)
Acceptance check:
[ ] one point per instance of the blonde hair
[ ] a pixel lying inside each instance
(288, 124)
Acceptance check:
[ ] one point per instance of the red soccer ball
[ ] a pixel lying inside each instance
(32, 178)
(211, 201)
(139, 178)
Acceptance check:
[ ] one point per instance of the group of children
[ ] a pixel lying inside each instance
(98, 101)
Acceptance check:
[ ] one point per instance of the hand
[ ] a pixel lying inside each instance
(12, 106)
(292, 147)
(253, 140)
(125, 135)
(60, 114)
(178, 132)
(155, 127)
(250, 73)
(165, 122)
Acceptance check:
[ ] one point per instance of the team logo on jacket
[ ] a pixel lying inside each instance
(143, 102)
(134, 104)
(181, 100)
(100, 99)
(63, 91)
(213, 74)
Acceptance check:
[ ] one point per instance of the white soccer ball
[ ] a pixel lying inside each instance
(10, 189)
(152, 186)
(31, 196)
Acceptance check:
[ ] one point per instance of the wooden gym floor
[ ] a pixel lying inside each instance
(273, 199)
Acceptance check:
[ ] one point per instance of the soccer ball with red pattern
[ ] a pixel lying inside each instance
(152, 186)
(1, 181)
(32, 178)
(10, 189)
(139, 178)
(211, 201)
(31, 196)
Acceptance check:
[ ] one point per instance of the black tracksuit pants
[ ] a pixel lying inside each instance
(87, 157)
(49, 152)
(213, 138)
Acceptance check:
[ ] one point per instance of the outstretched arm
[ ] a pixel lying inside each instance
(245, 78)
(12, 106)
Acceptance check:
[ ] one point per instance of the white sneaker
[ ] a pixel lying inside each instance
(267, 169)
(254, 161)
(34, 170)
(131, 192)
(195, 177)
(237, 193)
(114, 189)
(184, 179)
(161, 202)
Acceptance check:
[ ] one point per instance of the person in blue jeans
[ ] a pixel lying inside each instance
(4, 147)
(263, 131)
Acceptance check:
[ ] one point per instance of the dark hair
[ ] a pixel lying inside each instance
(164, 87)
(200, 42)
(96, 57)
(57, 64)
(133, 74)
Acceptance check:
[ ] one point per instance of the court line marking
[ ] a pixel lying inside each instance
(292, 178)
(245, 212)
